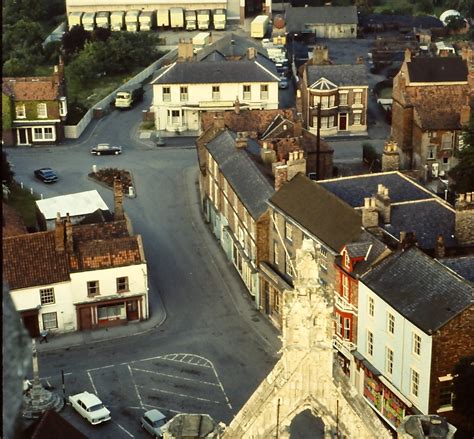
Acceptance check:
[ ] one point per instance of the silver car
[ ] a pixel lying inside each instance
(152, 421)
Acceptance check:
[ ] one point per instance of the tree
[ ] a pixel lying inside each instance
(463, 387)
(7, 173)
(463, 173)
(455, 22)
(101, 34)
(74, 40)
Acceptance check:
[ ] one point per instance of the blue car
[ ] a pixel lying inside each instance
(46, 175)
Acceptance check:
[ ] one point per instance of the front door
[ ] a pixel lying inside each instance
(132, 310)
(31, 325)
(22, 136)
(343, 121)
(85, 318)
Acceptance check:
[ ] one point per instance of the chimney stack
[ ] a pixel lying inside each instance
(465, 113)
(382, 201)
(241, 140)
(440, 249)
(59, 234)
(118, 200)
(320, 55)
(464, 219)
(251, 53)
(69, 241)
(298, 128)
(390, 157)
(185, 49)
(407, 240)
(370, 215)
(296, 163)
(281, 175)
(219, 120)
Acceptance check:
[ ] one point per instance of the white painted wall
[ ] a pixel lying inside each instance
(401, 344)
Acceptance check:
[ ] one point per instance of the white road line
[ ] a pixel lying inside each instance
(182, 395)
(177, 377)
(126, 431)
(50, 377)
(222, 387)
(206, 363)
(103, 367)
(135, 385)
(92, 382)
(162, 408)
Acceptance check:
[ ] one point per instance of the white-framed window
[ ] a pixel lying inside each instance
(216, 92)
(390, 323)
(370, 343)
(247, 92)
(93, 288)
(288, 269)
(447, 141)
(357, 118)
(47, 296)
(430, 152)
(388, 360)
(339, 325)
(446, 393)
(183, 93)
(62, 106)
(166, 94)
(345, 286)
(275, 252)
(20, 111)
(288, 231)
(276, 301)
(357, 97)
(122, 284)
(342, 98)
(43, 133)
(414, 382)
(42, 111)
(416, 344)
(371, 306)
(264, 92)
(347, 328)
(50, 320)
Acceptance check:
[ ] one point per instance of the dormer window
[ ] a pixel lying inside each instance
(42, 111)
(347, 261)
(20, 111)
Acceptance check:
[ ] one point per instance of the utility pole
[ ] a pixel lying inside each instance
(278, 420)
(318, 140)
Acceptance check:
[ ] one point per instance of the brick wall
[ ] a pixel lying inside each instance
(263, 226)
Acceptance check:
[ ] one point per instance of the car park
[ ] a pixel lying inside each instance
(106, 148)
(90, 407)
(152, 421)
(46, 175)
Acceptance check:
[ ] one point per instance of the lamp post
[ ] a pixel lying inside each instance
(159, 140)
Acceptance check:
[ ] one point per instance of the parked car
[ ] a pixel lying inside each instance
(152, 421)
(46, 175)
(90, 407)
(106, 148)
(283, 83)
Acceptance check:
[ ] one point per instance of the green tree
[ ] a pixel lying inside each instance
(425, 6)
(455, 22)
(463, 173)
(7, 173)
(24, 35)
(463, 386)
(74, 40)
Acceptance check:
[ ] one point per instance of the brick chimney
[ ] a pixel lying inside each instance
(296, 163)
(370, 214)
(320, 55)
(185, 49)
(69, 241)
(59, 234)
(382, 201)
(281, 175)
(237, 105)
(241, 139)
(464, 219)
(267, 154)
(251, 52)
(118, 200)
(390, 157)
(407, 240)
(440, 249)
(219, 120)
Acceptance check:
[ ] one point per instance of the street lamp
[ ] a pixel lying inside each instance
(159, 140)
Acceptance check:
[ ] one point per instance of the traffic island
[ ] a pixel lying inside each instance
(107, 176)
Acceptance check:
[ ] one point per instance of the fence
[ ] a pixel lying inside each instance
(75, 131)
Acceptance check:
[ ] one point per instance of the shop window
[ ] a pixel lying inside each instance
(50, 320)
(122, 284)
(43, 133)
(93, 288)
(47, 296)
(110, 311)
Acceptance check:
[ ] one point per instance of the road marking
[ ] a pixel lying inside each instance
(172, 357)
(135, 385)
(182, 395)
(100, 368)
(162, 408)
(126, 431)
(92, 382)
(50, 377)
(222, 387)
(176, 376)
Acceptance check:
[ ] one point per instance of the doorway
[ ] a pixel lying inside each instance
(22, 136)
(85, 318)
(30, 322)
(342, 121)
(132, 310)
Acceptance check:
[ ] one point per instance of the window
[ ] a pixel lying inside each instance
(414, 382)
(388, 360)
(342, 98)
(276, 301)
(62, 107)
(416, 344)
(183, 93)
(122, 284)
(345, 286)
(447, 141)
(47, 296)
(50, 320)
(166, 94)
(371, 307)
(288, 269)
(175, 117)
(216, 92)
(390, 323)
(264, 92)
(446, 394)
(327, 101)
(370, 343)
(339, 325)
(247, 94)
(20, 111)
(357, 97)
(43, 133)
(430, 152)
(288, 231)
(357, 118)
(110, 311)
(93, 288)
(347, 329)
(275, 252)
(42, 111)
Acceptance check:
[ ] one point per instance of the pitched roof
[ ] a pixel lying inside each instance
(437, 69)
(297, 19)
(52, 425)
(317, 210)
(230, 46)
(32, 260)
(420, 288)
(339, 74)
(34, 88)
(12, 222)
(241, 172)
(464, 266)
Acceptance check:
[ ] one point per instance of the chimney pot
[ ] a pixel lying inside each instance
(59, 234)
(69, 241)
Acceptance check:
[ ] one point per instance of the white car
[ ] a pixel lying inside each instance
(90, 407)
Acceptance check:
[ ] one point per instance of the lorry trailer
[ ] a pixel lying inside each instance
(88, 21)
(147, 20)
(203, 19)
(117, 20)
(163, 18)
(131, 21)
(177, 18)
(75, 19)
(190, 19)
(219, 19)
(200, 41)
(102, 19)
(259, 26)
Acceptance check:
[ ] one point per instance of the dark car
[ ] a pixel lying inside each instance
(46, 175)
(105, 148)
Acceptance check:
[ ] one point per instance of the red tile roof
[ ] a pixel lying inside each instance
(32, 88)
(12, 222)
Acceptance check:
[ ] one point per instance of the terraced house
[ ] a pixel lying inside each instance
(34, 109)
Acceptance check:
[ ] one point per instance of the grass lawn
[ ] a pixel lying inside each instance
(23, 202)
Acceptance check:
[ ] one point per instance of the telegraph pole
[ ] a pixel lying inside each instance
(318, 140)
(278, 420)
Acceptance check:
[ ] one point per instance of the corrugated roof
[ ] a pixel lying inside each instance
(317, 210)
(437, 69)
(341, 75)
(420, 288)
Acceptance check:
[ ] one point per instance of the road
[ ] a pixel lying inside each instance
(214, 348)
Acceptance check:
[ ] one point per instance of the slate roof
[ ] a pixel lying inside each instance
(52, 425)
(231, 45)
(33, 88)
(420, 288)
(464, 266)
(408, 21)
(317, 210)
(252, 188)
(437, 69)
(341, 75)
(32, 260)
(298, 18)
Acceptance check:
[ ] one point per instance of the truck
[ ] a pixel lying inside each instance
(163, 18)
(219, 17)
(147, 20)
(88, 21)
(126, 98)
(177, 18)
(102, 19)
(75, 19)
(259, 26)
(203, 19)
(131, 20)
(117, 20)
(200, 41)
(190, 19)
